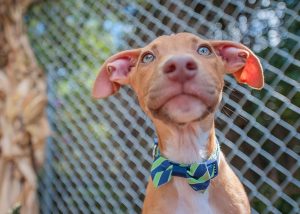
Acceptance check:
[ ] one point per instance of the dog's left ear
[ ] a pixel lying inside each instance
(241, 62)
(114, 73)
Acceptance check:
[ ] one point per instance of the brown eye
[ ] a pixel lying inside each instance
(147, 58)
(204, 50)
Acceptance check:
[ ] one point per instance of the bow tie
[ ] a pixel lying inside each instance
(198, 174)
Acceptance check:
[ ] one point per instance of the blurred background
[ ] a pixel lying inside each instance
(98, 157)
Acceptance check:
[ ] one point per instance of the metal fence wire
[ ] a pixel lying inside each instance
(98, 158)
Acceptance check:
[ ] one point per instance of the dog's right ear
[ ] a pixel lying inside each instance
(241, 62)
(114, 73)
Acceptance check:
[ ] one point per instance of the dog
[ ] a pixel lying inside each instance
(178, 80)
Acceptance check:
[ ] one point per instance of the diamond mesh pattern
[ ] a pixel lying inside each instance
(98, 158)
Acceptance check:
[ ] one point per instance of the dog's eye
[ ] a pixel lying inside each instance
(148, 57)
(204, 50)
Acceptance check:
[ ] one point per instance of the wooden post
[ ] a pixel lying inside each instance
(23, 125)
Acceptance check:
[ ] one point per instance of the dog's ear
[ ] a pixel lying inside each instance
(114, 73)
(241, 62)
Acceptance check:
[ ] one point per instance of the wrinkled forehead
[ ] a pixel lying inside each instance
(175, 42)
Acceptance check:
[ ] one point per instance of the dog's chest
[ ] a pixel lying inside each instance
(190, 201)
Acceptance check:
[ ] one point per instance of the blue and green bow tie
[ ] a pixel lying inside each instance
(198, 174)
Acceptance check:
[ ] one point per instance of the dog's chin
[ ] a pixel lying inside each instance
(182, 109)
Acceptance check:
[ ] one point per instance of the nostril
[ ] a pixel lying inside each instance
(170, 68)
(191, 65)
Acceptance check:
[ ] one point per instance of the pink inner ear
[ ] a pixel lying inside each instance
(235, 58)
(251, 74)
(119, 70)
(112, 75)
(103, 87)
(244, 65)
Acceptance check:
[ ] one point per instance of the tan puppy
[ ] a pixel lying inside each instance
(178, 80)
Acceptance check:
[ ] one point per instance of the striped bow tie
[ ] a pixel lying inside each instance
(198, 174)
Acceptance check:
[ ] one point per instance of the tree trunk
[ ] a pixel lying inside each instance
(23, 125)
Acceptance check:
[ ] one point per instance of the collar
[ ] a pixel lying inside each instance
(198, 175)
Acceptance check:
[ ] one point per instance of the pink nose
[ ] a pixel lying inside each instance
(180, 68)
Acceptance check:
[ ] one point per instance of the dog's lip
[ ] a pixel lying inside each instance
(166, 99)
(178, 95)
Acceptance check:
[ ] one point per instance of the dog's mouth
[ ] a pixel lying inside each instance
(182, 108)
(181, 100)
(159, 98)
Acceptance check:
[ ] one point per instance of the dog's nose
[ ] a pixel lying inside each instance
(180, 68)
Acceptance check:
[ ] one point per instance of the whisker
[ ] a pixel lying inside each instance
(233, 93)
(224, 111)
(229, 112)
(229, 88)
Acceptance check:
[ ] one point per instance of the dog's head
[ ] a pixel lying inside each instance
(179, 78)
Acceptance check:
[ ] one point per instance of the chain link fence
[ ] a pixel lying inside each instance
(98, 158)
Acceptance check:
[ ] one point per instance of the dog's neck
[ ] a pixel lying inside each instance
(190, 143)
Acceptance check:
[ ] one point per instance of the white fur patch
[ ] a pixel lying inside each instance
(191, 201)
(189, 145)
